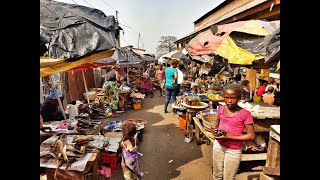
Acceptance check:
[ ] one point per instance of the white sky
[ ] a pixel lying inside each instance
(152, 18)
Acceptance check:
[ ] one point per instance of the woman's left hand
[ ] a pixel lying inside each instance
(221, 137)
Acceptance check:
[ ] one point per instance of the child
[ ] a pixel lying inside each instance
(260, 90)
(129, 163)
(227, 149)
(272, 82)
(268, 97)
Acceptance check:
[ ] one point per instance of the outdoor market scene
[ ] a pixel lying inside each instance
(179, 98)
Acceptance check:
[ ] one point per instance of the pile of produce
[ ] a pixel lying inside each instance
(193, 101)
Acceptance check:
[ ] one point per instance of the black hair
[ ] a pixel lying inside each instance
(235, 88)
(129, 129)
(244, 82)
(271, 79)
(270, 89)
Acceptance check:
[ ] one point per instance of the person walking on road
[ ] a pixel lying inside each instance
(171, 74)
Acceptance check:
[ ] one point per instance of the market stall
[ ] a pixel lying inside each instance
(77, 155)
(263, 116)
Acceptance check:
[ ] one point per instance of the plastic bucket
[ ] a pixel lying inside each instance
(256, 99)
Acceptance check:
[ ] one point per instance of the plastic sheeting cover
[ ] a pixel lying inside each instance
(273, 45)
(249, 42)
(124, 57)
(72, 31)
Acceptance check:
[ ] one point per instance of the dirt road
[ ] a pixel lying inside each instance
(163, 142)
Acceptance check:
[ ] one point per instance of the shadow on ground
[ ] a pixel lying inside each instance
(162, 142)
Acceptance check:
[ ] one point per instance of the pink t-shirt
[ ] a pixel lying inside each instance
(233, 125)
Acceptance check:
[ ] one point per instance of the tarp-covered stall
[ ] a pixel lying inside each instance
(73, 33)
(240, 42)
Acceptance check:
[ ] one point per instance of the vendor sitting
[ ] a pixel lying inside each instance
(146, 86)
(245, 90)
(50, 110)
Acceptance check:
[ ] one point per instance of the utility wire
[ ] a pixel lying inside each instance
(74, 2)
(127, 26)
(109, 5)
(119, 15)
(125, 40)
(88, 3)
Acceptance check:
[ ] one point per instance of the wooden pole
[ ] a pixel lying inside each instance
(41, 92)
(251, 83)
(85, 86)
(128, 74)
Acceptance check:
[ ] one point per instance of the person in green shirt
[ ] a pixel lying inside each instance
(171, 84)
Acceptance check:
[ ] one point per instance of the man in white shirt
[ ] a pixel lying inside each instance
(180, 77)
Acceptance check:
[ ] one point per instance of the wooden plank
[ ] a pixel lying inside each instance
(263, 125)
(205, 133)
(254, 157)
(275, 135)
(271, 171)
(276, 128)
(273, 157)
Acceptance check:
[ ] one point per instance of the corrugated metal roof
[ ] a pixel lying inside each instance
(210, 12)
(247, 4)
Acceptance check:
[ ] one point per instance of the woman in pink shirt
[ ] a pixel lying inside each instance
(161, 78)
(227, 149)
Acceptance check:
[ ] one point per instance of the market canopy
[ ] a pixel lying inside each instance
(72, 35)
(181, 55)
(240, 42)
(124, 57)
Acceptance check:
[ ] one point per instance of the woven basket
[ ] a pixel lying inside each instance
(91, 97)
(210, 121)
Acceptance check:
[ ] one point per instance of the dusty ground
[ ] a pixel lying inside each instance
(163, 141)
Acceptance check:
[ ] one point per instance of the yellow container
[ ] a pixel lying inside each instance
(137, 106)
(256, 99)
(264, 72)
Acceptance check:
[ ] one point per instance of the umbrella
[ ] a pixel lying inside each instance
(169, 54)
(228, 41)
(148, 58)
(180, 55)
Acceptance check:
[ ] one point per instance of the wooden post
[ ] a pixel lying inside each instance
(41, 92)
(65, 87)
(251, 83)
(85, 86)
(128, 74)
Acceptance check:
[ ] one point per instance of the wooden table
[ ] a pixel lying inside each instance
(191, 112)
(44, 135)
(209, 137)
(91, 169)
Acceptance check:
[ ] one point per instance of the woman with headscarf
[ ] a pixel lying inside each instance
(111, 89)
(146, 86)
(50, 110)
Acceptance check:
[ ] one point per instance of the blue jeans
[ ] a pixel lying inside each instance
(171, 91)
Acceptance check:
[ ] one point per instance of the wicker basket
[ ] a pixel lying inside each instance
(91, 97)
(210, 121)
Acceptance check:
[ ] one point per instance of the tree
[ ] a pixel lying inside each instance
(166, 44)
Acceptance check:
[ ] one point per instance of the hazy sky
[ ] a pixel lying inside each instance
(152, 18)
